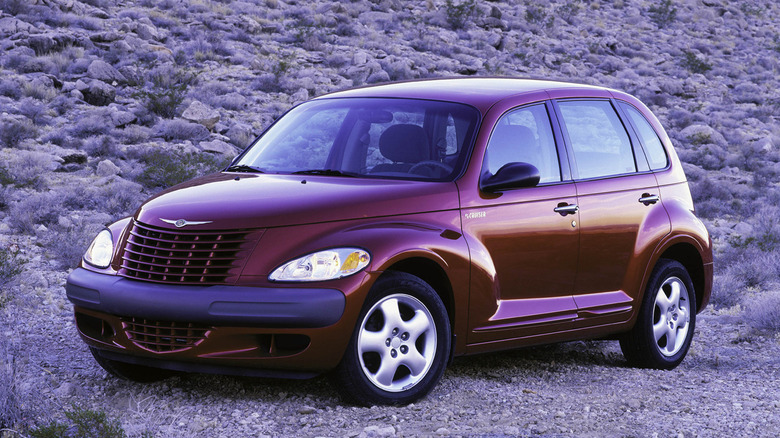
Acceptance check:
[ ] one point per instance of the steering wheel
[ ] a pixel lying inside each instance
(437, 164)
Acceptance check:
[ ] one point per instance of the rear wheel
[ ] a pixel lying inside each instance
(129, 371)
(664, 328)
(400, 346)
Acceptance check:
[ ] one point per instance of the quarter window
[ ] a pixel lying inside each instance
(524, 135)
(655, 150)
(598, 139)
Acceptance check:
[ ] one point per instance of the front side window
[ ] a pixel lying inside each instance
(368, 137)
(524, 135)
(598, 139)
(655, 150)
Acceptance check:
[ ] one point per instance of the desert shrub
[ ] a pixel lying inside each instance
(116, 197)
(11, 412)
(763, 312)
(230, 101)
(271, 82)
(28, 168)
(537, 14)
(13, 132)
(39, 91)
(81, 423)
(727, 289)
(459, 13)
(694, 64)
(663, 14)
(65, 241)
(100, 146)
(568, 10)
(181, 130)
(34, 210)
(165, 168)
(166, 88)
(10, 89)
(11, 265)
(749, 265)
(34, 110)
(14, 7)
(91, 124)
(133, 134)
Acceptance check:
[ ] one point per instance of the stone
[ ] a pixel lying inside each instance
(306, 410)
(103, 71)
(147, 32)
(11, 25)
(122, 118)
(42, 44)
(107, 168)
(97, 93)
(301, 95)
(219, 147)
(67, 389)
(703, 134)
(199, 112)
(240, 135)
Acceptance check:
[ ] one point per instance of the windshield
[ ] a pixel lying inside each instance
(368, 137)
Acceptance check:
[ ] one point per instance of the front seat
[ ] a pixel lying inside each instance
(404, 145)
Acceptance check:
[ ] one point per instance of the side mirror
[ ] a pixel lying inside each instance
(511, 176)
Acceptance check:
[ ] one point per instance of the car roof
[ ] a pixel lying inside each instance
(480, 92)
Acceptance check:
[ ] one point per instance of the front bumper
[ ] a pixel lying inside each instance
(224, 305)
(222, 329)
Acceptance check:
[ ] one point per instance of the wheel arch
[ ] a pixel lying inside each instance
(687, 254)
(432, 273)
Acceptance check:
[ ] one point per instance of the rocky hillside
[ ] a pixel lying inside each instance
(103, 103)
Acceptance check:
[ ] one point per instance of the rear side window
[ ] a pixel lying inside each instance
(524, 135)
(598, 139)
(656, 155)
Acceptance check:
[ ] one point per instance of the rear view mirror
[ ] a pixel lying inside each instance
(511, 176)
(376, 116)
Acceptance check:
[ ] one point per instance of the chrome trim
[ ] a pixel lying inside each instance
(183, 222)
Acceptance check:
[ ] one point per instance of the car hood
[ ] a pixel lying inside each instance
(230, 201)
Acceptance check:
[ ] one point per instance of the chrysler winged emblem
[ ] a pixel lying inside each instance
(183, 222)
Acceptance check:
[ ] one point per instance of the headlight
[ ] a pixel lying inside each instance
(101, 250)
(322, 265)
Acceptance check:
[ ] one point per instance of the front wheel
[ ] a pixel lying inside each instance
(664, 328)
(400, 346)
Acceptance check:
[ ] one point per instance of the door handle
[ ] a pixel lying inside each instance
(648, 199)
(563, 209)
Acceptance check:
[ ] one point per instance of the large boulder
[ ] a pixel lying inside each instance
(103, 71)
(96, 92)
(199, 112)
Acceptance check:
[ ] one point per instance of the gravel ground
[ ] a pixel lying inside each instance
(727, 386)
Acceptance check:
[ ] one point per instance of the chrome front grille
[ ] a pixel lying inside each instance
(185, 257)
(164, 336)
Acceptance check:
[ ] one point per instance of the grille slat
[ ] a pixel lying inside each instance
(164, 336)
(185, 257)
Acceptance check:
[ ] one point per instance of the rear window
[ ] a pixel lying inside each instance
(656, 155)
(598, 139)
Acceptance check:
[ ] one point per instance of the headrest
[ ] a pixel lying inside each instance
(404, 144)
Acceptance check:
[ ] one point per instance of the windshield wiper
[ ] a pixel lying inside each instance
(325, 172)
(243, 168)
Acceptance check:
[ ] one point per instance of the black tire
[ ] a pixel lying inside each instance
(664, 328)
(414, 336)
(129, 371)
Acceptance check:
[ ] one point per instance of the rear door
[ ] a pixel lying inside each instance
(621, 216)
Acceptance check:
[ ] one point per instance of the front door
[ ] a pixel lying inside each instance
(525, 240)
